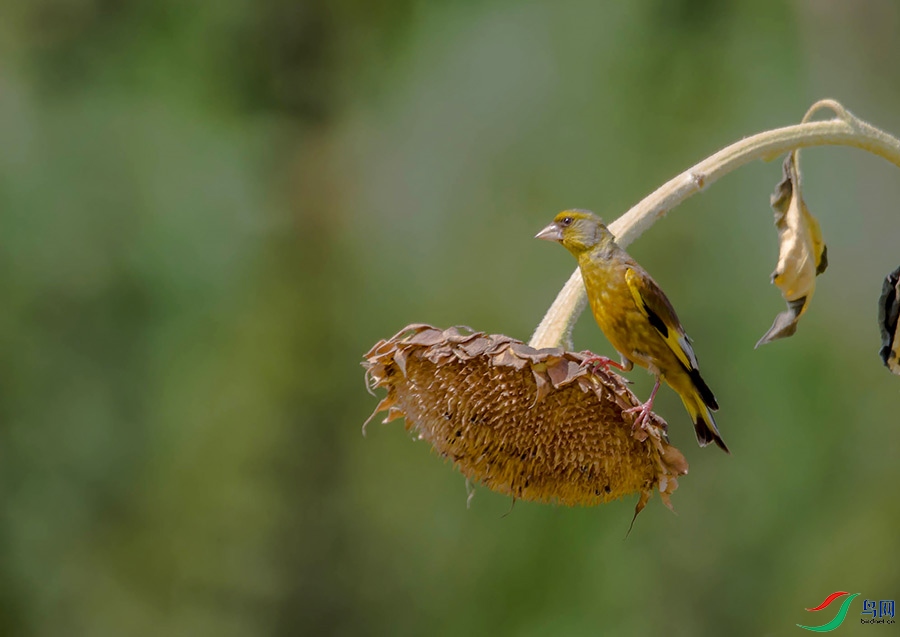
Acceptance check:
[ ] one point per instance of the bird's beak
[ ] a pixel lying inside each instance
(551, 233)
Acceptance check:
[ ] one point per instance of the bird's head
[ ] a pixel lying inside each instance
(577, 230)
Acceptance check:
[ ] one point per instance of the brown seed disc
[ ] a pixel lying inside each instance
(528, 423)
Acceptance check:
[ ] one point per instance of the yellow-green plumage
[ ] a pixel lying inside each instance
(635, 315)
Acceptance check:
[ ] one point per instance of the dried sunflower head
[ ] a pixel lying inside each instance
(528, 423)
(889, 321)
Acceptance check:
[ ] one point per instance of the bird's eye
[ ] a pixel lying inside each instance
(567, 221)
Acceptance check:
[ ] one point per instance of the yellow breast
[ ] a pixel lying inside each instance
(620, 320)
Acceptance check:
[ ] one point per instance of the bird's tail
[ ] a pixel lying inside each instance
(704, 423)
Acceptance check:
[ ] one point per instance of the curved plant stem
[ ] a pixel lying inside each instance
(845, 129)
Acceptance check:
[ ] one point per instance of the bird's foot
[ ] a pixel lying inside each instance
(594, 362)
(643, 415)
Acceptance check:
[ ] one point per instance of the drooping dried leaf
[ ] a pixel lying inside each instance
(889, 321)
(802, 254)
(532, 424)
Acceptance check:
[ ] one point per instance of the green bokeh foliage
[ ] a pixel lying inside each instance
(210, 211)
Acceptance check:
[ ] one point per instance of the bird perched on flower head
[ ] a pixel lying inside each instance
(636, 317)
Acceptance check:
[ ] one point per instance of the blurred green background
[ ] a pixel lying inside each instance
(210, 211)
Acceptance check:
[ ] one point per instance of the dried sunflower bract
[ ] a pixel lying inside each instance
(532, 424)
(802, 253)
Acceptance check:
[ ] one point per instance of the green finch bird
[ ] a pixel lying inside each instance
(636, 318)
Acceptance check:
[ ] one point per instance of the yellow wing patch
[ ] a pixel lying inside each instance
(643, 290)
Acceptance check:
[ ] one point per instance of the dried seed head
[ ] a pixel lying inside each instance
(889, 321)
(528, 423)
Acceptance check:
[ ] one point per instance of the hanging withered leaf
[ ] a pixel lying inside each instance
(802, 254)
(530, 423)
(889, 321)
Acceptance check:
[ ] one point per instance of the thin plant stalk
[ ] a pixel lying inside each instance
(845, 129)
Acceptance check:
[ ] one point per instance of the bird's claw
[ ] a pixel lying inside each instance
(594, 362)
(643, 415)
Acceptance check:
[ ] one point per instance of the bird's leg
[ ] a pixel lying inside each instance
(643, 411)
(604, 362)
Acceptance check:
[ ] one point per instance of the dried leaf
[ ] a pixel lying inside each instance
(802, 255)
(889, 321)
(532, 424)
